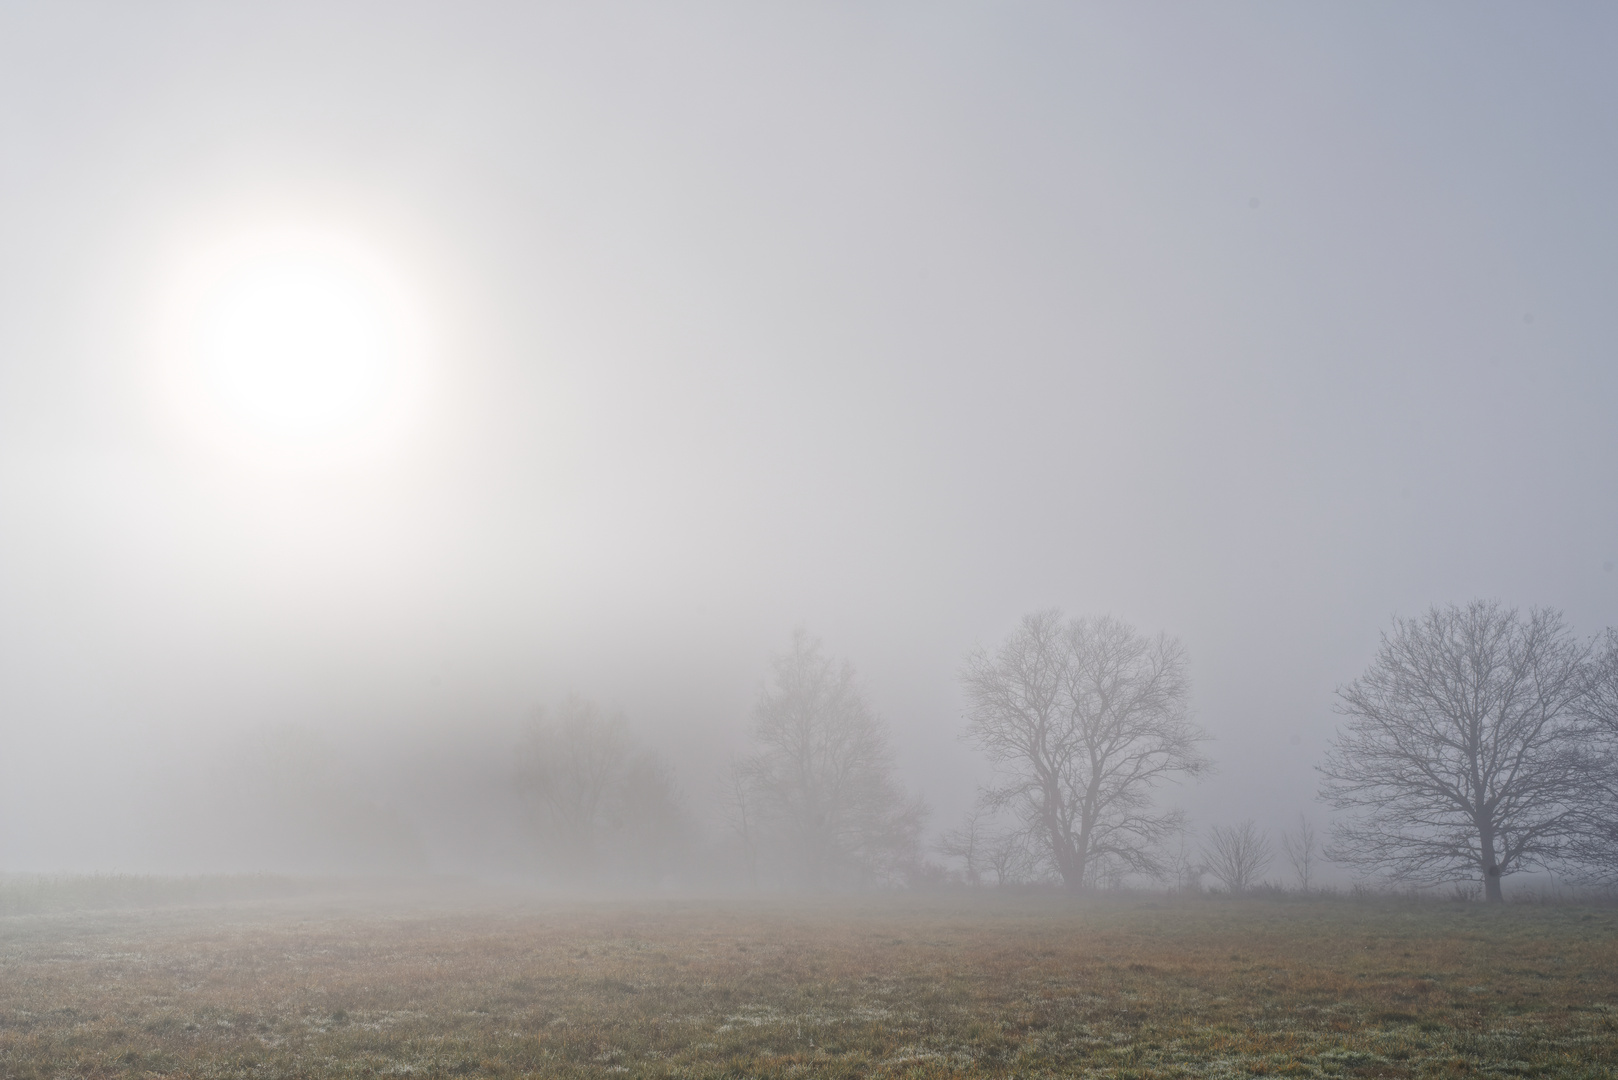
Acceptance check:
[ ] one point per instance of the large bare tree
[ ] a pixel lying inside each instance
(820, 796)
(1461, 753)
(1084, 718)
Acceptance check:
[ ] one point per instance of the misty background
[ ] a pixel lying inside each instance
(1251, 324)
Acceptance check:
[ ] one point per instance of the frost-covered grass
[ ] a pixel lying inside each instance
(976, 985)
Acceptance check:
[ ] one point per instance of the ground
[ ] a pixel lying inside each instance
(968, 984)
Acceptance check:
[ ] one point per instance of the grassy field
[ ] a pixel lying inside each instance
(892, 986)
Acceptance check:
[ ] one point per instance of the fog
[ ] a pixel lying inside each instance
(1253, 325)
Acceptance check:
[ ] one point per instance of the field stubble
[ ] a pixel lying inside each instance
(990, 985)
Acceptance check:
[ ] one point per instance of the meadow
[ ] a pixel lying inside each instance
(903, 985)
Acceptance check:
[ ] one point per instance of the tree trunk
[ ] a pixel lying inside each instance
(1069, 863)
(1081, 859)
(1073, 865)
(1491, 869)
(1491, 886)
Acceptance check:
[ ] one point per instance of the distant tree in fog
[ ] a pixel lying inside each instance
(968, 843)
(1185, 871)
(1237, 855)
(602, 803)
(736, 803)
(819, 798)
(1302, 851)
(985, 848)
(1463, 751)
(294, 801)
(1084, 718)
(1007, 857)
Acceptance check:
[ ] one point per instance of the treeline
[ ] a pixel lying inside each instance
(815, 804)
(1083, 720)
(572, 798)
(1481, 742)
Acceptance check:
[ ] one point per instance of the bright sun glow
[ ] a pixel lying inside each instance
(294, 343)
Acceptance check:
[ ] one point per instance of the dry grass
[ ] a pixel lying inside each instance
(896, 986)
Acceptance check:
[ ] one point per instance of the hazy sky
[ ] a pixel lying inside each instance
(1252, 323)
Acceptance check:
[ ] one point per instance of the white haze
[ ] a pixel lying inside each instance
(1254, 324)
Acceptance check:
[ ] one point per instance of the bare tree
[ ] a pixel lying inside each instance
(1461, 748)
(1006, 855)
(966, 842)
(1237, 855)
(983, 848)
(822, 783)
(598, 797)
(1302, 851)
(1184, 871)
(736, 804)
(1084, 718)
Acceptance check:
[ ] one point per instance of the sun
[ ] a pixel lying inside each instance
(293, 342)
(296, 344)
